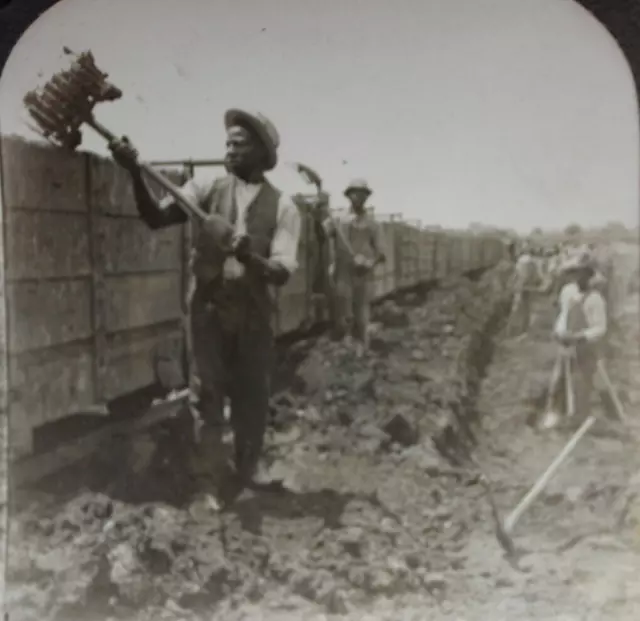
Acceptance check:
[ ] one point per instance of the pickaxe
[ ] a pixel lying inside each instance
(504, 529)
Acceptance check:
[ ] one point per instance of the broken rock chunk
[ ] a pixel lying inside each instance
(401, 431)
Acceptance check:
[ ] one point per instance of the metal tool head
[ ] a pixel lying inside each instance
(67, 100)
(309, 175)
(511, 553)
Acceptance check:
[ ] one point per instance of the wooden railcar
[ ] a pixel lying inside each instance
(93, 299)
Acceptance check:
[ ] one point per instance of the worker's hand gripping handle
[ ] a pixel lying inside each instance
(191, 209)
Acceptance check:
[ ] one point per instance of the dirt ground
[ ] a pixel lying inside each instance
(381, 516)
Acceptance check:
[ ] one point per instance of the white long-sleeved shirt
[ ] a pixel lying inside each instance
(284, 246)
(581, 313)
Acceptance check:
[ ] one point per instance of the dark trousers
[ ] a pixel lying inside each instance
(353, 306)
(583, 370)
(232, 356)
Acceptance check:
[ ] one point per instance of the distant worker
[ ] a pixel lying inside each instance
(503, 272)
(526, 280)
(357, 249)
(551, 273)
(580, 329)
(248, 243)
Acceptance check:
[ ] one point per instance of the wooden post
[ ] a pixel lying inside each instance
(98, 287)
(187, 232)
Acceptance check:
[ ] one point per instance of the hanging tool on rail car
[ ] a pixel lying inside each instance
(322, 288)
(358, 249)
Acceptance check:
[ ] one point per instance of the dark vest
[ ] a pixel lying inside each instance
(261, 221)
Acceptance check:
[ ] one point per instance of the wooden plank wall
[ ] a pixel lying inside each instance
(95, 300)
(91, 293)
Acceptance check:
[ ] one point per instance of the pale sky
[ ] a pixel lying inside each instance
(518, 113)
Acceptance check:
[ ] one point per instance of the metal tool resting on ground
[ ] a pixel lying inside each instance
(506, 528)
(67, 101)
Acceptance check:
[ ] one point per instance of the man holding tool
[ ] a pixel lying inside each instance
(580, 328)
(247, 244)
(356, 250)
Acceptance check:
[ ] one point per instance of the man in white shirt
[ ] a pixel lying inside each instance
(356, 250)
(579, 329)
(247, 245)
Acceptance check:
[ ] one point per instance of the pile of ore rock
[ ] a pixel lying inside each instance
(368, 508)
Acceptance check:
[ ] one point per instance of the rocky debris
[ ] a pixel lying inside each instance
(367, 505)
(401, 431)
(391, 316)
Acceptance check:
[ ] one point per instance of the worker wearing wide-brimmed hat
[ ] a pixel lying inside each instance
(580, 328)
(357, 250)
(248, 243)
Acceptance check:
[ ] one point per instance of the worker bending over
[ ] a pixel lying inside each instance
(356, 250)
(247, 245)
(580, 328)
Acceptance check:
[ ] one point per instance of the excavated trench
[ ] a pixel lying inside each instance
(374, 503)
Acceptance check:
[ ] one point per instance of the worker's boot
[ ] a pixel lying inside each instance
(250, 468)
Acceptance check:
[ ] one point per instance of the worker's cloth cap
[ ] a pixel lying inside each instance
(579, 261)
(358, 184)
(261, 126)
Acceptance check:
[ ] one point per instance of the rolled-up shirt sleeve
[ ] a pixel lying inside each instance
(566, 295)
(284, 248)
(193, 190)
(596, 313)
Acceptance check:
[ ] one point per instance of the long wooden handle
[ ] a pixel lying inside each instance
(612, 391)
(218, 162)
(568, 381)
(556, 374)
(547, 475)
(191, 209)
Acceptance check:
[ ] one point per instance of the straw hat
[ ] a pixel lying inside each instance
(263, 128)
